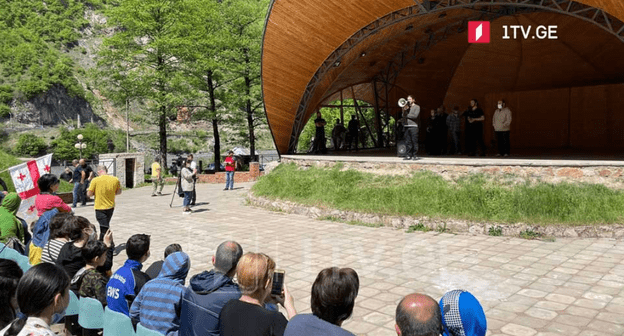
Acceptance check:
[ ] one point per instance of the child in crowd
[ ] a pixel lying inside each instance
(156, 266)
(89, 282)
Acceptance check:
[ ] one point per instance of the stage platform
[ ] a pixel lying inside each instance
(602, 169)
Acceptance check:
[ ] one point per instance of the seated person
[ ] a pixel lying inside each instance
(128, 280)
(10, 274)
(156, 266)
(40, 237)
(418, 315)
(333, 298)
(247, 315)
(462, 314)
(47, 199)
(70, 257)
(59, 236)
(208, 292)
(89, 281)
(157, 307)
(10, 225)
(42, 295)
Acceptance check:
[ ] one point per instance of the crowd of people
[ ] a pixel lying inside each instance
(236, 297)
(443, 131)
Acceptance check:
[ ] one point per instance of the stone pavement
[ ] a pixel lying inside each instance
(567, 287)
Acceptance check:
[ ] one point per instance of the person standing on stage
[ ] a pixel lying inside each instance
(411, 129)
(453, 122)
(475, 118)
(194, 170)
(319, 136)
(502, 123)
(104, 187)
(352, 134)
(157, 179)
(338, 133)
(230, 168)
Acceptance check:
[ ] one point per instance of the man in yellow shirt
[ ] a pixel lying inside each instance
(104, 188)
(157, 179)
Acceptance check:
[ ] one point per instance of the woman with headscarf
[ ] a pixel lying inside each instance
(462, 314)
(10, 225)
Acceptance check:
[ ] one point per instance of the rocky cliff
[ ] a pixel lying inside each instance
(54, 107)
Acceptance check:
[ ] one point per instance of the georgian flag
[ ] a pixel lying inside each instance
(25, 177)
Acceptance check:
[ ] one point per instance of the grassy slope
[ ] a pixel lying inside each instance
(426, 194)
(8, 160)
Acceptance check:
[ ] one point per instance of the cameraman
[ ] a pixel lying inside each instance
(194, 170)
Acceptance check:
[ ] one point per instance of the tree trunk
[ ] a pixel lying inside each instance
(252, 137)
(215, 121)
(162, 131)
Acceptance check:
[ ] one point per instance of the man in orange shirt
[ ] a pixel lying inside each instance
(104, 188)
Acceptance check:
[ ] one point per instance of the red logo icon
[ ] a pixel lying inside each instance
(478, 32)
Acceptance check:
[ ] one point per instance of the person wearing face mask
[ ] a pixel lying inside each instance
(42, 297)
(474, 129)
(502, 123)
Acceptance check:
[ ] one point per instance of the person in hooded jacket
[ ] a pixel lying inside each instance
(462, 314)
(10, 225)
(209, 291)
(157, 307)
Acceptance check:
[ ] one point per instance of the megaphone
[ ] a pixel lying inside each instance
(402, 102)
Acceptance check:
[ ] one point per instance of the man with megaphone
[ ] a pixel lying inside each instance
(411, 128)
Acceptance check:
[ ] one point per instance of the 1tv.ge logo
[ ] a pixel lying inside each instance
(479, 32)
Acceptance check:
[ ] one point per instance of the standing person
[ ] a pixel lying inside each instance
(411, 129)
(157, 179)
(88, 178)
(78, 179)
(475, 118)
(186, 183)
(430, 140)
(502, 125)
(42, 294)
(352, 134)
(442, 129)
(194, 170)
(230, 168)
(105, 187)
(453, 122)
(338, 133)
(319, 136)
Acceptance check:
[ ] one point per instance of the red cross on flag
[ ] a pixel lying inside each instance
(25, 178)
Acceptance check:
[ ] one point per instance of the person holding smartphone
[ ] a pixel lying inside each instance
(247, 315)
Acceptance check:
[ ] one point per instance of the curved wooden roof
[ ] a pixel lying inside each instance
(314, 49)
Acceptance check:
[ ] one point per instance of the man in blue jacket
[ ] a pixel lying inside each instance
(157, 307)
(127, 282)
(209, 292)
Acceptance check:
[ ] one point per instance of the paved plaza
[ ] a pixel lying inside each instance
(567, 287)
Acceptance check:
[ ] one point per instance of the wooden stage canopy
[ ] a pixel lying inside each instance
(317, 52)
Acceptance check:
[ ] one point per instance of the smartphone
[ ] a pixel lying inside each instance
(278, 282)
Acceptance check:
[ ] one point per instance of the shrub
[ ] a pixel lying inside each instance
(30, 145)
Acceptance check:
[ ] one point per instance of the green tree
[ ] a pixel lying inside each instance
(94, 137)
(144, 55)
(30, 145)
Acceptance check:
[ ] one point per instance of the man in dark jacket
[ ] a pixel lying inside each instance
(208, 292)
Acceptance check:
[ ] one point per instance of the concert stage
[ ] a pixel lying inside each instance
(605, 169)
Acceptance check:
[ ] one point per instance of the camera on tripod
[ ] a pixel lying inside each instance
(177, 164)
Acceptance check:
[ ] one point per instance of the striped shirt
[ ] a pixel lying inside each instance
(51, 251)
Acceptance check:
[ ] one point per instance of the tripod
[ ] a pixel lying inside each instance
(175, 189)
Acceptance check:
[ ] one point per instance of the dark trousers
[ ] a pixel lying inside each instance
(194, 195)
(503, 142)
(474, 138)
(455, 143)
(352, 138)
(411, 141)
(104, 217)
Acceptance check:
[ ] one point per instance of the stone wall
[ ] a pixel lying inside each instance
(219, 177)
(609, 176)
(438, 224)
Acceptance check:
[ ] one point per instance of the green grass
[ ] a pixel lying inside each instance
(417, 227)
(426, 194)
(7, 160)
(495, 231)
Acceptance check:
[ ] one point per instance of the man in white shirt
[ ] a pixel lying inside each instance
(194, 170)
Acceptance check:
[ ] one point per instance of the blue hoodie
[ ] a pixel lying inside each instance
(158, 305)
(202, 303)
